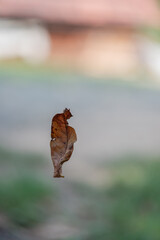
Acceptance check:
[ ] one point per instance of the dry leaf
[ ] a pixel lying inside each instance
(63, 138)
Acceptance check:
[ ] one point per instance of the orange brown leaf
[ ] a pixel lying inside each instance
(62, 141)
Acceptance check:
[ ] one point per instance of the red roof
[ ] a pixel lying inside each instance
(85, 12)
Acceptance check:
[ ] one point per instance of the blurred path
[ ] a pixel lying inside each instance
(109, 119)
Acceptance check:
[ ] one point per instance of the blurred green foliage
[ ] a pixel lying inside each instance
(25, 195)
(151, 32)
(129, 207)
(134, 201)
(126, 207)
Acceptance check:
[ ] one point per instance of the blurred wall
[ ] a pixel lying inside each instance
(24, 39)
(99, 52)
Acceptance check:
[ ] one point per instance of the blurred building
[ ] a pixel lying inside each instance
(94, 36)
(25, 40)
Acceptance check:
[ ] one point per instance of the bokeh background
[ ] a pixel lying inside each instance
(101, 59)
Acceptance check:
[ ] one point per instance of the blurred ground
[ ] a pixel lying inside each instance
(36, 207)
(114, 120)
(111, 119)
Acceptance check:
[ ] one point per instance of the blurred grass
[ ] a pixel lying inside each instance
(20, 71)
(129, 207)
(25, 195)
(17, 70)
(133, 200)
(151, 32)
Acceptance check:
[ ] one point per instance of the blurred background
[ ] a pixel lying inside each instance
(101, 59)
